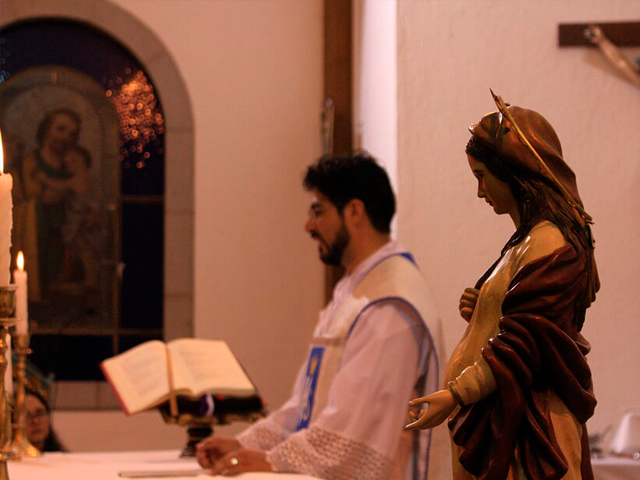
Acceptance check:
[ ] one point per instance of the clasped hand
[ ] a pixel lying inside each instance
(441, 405)
(225, 456)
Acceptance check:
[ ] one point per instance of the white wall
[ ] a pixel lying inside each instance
(450, 53)
(111, 430)
(376, 82)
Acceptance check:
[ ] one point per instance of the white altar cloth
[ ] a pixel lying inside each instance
(106, 466)
(616, 468)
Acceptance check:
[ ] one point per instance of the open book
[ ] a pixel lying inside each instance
(143, 376)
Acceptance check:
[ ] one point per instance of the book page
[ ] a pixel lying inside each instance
(139, 375)
(208, 366)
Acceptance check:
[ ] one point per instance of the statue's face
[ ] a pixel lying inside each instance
(496, 193)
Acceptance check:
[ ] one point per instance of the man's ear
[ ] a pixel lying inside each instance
(355, 212)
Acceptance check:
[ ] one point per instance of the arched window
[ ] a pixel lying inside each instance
(89, 206)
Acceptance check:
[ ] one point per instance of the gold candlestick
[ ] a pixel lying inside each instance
(20, 445)
(7, 307)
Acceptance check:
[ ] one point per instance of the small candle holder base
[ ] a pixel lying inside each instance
(20, 444)
(4, 471)
(23, 449)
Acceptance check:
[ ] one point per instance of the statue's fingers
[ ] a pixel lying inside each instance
(423, 423)
(419, 423)
(418, 401)
(413, 416)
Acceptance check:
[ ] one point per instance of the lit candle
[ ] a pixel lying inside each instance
(6, 221)
(6, 224)
(20, 279)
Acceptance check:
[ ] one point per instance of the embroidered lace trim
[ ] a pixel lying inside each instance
(263, 435)
(327, 455)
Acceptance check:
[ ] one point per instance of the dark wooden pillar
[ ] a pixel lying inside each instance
(337, 85)
(338, 69)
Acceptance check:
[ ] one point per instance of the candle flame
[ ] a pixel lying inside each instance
(1, 156)
(20, 261)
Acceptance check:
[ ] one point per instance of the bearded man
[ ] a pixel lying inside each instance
(375, 344)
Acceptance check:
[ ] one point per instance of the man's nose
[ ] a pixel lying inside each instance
(308, 226)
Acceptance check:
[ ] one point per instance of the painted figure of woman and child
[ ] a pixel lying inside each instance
(518, 387)
(57, 209)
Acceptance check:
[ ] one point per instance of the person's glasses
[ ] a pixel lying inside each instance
(316, 211)
(36, 415)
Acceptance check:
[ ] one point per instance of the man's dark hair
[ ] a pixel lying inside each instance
(342, 178)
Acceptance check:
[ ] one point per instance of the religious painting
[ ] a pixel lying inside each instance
(61, 140)
(83, 127)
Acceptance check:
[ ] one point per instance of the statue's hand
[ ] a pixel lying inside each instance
(441, 404)
(468, 301)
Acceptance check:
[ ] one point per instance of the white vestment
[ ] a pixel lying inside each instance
(373, 348)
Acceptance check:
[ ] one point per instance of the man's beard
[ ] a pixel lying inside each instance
(337, 248)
